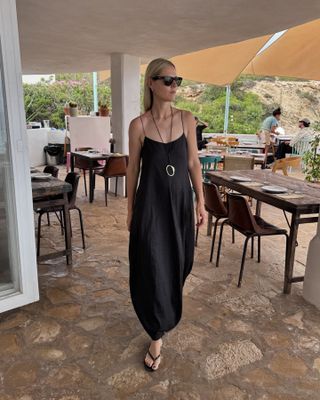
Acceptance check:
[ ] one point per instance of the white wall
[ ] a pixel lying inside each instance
(37, 139)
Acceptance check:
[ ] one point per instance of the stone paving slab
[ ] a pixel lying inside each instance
(83, 341)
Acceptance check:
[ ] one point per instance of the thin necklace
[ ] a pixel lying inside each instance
(170, 169)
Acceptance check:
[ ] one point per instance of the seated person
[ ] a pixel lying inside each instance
(200, 126)
(304, 133)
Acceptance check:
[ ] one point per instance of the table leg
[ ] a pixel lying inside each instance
(258, 208)
(67, 229)
(91, 186)
(290, 253)
(72, 162)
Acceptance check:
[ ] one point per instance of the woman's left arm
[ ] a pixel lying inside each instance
(194, 166)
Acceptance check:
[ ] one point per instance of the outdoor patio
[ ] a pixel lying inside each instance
(82, 340)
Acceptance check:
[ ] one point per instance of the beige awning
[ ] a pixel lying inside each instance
(295, 54)
(218, 65)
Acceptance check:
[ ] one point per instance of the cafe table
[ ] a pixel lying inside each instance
(53, 192)
(259, 159)
(247, 146)
(90, 157)
(301, 200)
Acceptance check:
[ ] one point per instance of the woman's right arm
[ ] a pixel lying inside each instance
(133, 168)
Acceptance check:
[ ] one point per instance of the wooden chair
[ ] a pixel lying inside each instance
(233, 163)
(237, 163)
(232, 141)
(284, 163)
(83, 165)
(116, 167)
(208, 163)
(240, 218)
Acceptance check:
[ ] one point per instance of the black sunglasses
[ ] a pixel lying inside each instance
(168, 80)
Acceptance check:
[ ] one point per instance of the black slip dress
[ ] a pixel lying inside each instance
(161, 246)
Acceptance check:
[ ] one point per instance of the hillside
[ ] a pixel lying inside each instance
(298, 99)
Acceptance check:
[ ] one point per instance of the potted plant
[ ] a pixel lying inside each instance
(311, 159)
(73, 108)
(103, 110)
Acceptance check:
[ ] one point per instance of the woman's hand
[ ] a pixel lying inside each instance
(201, 214)
(129, 218)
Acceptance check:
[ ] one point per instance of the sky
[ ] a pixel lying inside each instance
(35, 78)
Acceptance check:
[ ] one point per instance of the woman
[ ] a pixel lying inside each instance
(160, 212)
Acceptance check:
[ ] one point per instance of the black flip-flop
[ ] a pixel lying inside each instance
(154, 359)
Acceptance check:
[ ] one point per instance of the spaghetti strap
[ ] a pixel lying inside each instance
(182, 122)
(144, 132)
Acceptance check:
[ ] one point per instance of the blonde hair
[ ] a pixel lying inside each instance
(154, 68)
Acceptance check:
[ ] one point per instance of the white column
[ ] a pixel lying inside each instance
(311, 285)
(125, 93)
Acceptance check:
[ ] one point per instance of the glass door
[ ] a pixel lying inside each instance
(18, 268)
(9, 261)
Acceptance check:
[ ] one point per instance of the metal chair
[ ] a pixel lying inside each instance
(73, 179)
(242, 220)
(116, 167)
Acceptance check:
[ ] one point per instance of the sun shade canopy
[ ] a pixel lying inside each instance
(295, 54)
(80, 35)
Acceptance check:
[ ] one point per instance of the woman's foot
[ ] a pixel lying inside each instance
(153, 358)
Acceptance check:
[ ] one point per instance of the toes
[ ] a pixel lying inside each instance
(148, 361)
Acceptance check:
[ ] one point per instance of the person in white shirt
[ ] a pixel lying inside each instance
(305, 133)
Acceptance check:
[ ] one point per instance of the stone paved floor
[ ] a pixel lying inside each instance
(82, 340)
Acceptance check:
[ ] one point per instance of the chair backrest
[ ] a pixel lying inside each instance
(213, 201)
(83, 148)
(79, 162)
(73, 179)
(209, 163)
(284, 163)
(50, 169)
(301, 146)
(233, 163)
(116, 166)
(239, 213)
(232, 141)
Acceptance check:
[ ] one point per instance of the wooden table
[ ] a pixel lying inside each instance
(90, 158)
(41, 192)
(258, 158)
(260, 147)
(308, 204)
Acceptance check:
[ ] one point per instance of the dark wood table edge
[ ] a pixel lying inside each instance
(64, 202)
